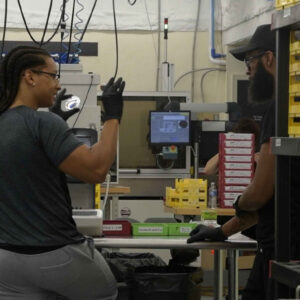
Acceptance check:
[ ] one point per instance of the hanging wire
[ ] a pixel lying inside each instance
(47, 21)
(202, 80)
(79, 31)
(65, 34)
(54, 33)
(194, 50)
(151, 30)
(4, 30)
(116, 37)
(170, 166)
(28, 31)
(88, 21)
(132, 3)
(25, 23)
(189, 72)
(63, 31)
(71, 29)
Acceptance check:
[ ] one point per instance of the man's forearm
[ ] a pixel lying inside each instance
(237, 224)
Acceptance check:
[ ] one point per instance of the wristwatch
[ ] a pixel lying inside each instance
(238, 212)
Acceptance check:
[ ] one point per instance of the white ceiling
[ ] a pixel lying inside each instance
(237, 18)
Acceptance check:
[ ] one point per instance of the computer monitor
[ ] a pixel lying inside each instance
(170, 128)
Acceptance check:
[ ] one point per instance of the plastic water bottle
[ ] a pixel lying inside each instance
(212, 195)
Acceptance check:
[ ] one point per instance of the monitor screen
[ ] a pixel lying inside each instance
(170, 128)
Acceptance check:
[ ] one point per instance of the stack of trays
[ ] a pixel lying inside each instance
(236, 165)
(188, 193)
(294, 85)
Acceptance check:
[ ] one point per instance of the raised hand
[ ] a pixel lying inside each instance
(56, 108)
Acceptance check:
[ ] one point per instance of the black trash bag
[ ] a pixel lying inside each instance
(173, 282)
(183, 256)
(123, 265)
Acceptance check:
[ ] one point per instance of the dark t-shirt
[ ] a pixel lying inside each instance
(35, 206)
(265, 227)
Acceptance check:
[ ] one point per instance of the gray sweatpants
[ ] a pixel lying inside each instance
(77, 272)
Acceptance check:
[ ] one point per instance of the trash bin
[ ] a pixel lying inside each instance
(124, 265)
(174, 282)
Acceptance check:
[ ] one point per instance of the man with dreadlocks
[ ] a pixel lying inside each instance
(42, 255)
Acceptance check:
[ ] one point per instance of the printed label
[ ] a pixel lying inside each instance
(238, 151)
(125, 212)
(234, 188)
(112, 227)
(229, 180)
(231, 195)
(244, 158)
(247, 144)
(238, 136)
(185, 229)
(150, 229)
(236, 166)
(238, 173)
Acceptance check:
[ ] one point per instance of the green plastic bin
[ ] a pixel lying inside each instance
(181, 229)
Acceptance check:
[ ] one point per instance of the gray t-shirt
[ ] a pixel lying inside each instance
(35, 206)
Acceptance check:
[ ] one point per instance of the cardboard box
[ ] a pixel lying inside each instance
(207, 260)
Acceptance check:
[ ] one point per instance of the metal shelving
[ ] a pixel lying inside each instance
(285, 273)
(285, 146)
(288, 17)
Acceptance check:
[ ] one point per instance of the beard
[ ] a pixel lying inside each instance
(262, 85)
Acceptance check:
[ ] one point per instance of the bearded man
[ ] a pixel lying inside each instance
(256, 204)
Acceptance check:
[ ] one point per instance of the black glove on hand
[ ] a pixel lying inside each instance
(56, 108)
(112, 99)
(202, 232)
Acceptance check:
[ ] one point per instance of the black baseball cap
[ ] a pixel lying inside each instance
(263, 38)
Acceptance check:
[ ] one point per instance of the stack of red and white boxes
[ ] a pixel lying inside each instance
(236, 165)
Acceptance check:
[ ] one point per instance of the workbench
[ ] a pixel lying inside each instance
(232, 246)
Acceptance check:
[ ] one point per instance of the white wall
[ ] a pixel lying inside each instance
(137, 60)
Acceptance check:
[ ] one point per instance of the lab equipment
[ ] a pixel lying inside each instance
(88, 221)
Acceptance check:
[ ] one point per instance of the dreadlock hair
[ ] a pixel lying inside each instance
(14, 63)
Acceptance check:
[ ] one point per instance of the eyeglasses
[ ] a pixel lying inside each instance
(248, 59)
(54, 76)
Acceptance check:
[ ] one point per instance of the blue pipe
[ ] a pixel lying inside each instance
(212, 19)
